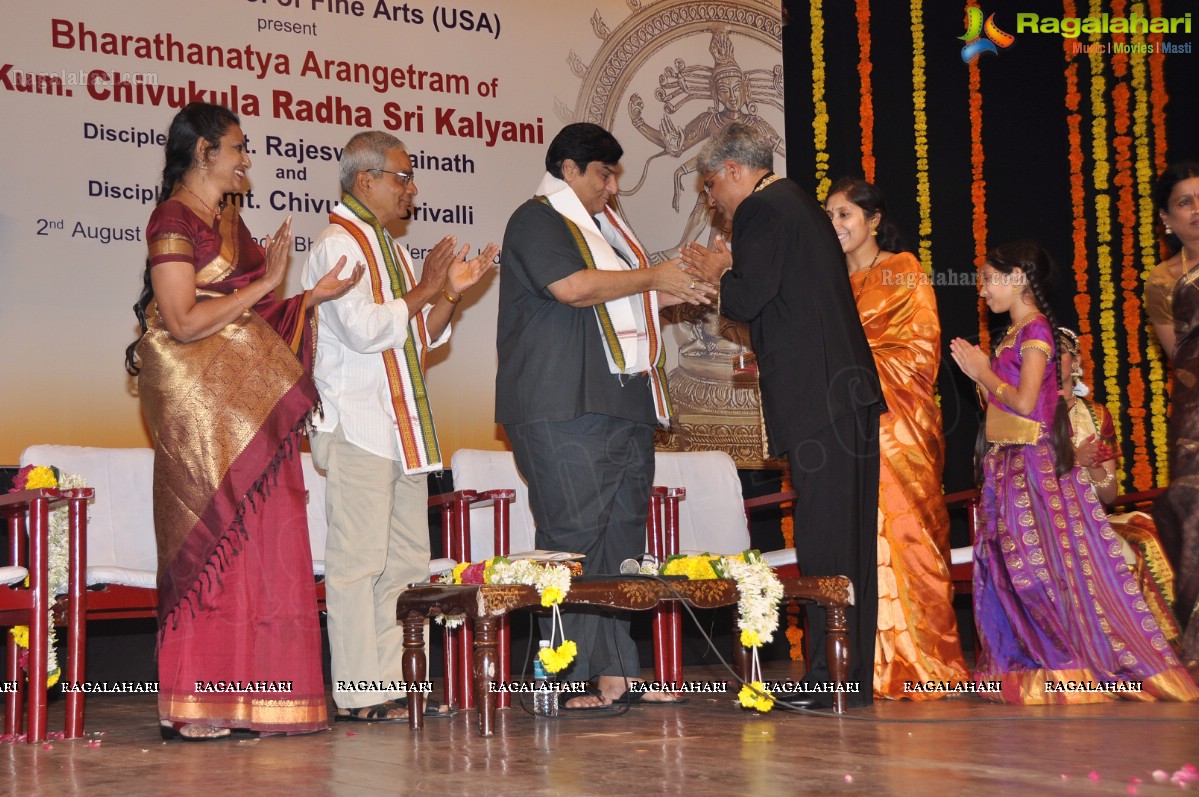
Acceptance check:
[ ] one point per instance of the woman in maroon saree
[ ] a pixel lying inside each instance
(225, 385)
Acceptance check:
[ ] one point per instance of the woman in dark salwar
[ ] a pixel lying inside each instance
(225, 386)
(1176, 513)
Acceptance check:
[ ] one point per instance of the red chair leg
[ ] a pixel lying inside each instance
(503, 544)
(654, 547)
(76, 616)
(451, 638)
(673, 619)
(13, 700)
(39, 525)
(463, 670)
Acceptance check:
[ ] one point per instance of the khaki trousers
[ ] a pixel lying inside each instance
(378, 544)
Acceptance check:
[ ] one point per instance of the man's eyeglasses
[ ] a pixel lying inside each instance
(710, 180)
(404, 177)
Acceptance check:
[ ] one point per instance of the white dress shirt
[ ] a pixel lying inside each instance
(351, 333)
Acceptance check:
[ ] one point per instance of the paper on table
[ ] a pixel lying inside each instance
(547, 556)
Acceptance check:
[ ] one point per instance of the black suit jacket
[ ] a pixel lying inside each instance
(789, 281)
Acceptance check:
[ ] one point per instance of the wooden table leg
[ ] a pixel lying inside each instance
(414, 666)
(836, 628)
(485, 669)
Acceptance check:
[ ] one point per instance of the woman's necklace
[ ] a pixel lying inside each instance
(216, 214)
(869, 268)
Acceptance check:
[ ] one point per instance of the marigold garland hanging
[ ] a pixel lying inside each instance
(819, 106)
(794, 632)
(1101, 172)
(920, 127)
(978, 193)
(36, 477)
(1147, 244)
(1130, 279)
(1078, 206)
(1158, 98)
(866, 101)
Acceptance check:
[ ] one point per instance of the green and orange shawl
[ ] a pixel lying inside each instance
(223, 410)
(390, 277)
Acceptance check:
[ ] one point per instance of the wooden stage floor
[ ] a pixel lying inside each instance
(958, 746)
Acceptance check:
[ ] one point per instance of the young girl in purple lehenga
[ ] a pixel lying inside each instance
(1060, 616)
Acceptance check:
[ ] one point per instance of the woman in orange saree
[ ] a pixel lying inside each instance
(918, 653)
(225, 387)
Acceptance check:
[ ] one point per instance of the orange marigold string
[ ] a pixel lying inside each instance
(794, 632)
(866, 103)
(1147, 244)
(978, 192)
(1158, 98)
(1078, 204)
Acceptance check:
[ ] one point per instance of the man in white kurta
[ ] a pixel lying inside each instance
(376, 439)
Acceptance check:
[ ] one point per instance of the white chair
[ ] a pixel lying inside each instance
(122, 554)
(481, 471)
(712, 518)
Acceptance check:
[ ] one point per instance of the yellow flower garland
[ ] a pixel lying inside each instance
(760, 594)
(41, 476)
(755, 695)
(37, 478)
(552, 582)
(923, 196)
(1100, 160)
(819, 107)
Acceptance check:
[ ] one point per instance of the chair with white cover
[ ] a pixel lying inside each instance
(122, 556)
(122, 553)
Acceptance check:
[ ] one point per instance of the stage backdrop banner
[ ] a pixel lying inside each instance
(476, 91)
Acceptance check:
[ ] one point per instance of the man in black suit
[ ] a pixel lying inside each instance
(821, 397)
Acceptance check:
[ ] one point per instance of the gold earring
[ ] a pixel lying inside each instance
(1168, 230)
(874, 232)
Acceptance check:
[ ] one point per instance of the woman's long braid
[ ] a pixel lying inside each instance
(171, 174)
(1062, 443)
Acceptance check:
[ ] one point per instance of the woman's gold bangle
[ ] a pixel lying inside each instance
(998, 392)
(237, 296)
(1104, 482)
(446, 293)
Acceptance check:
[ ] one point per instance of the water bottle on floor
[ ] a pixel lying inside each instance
(545, 697)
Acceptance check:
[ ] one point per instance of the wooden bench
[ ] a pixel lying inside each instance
(486, 604)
